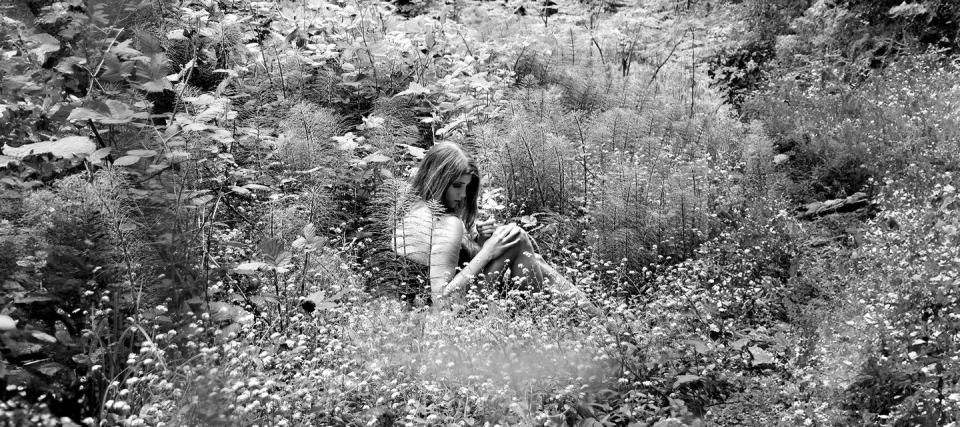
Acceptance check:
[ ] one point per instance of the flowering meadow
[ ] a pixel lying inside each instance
(759, 200)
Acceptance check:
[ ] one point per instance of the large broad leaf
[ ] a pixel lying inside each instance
(347, 142)
(376, 158)
(124, 49)
(416, 152)
(70, 64)
(188, 123)
(7, 161)
(42, 44)
(761, 357)
(309, 231)
(222, 311)
(141, 153)
(309, 241)
(177, 34)
(257, 187)
(126, 161)
(121, 113)
(371, 122)
(153, 75)
(685, 379)
(740, 343)
(43, 336)
(63, 147)
(414, 89)
(274, 253)
(249, 268)
(216, 110)
(50, 369)
(97, 156)
(201, 200)
(201, 100)
(452, 125)
(221, 135)
(7, 323)
(317, 301)
(35, 300)
(699, 346)
(240, 190)
(115, 70)
(112, 112)
(19, 82)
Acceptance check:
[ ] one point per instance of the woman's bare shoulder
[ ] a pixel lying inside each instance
(421, 215)
(450, 223)
(420, 209)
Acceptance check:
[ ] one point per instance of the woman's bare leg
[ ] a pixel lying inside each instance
(553, 279)
(519, 262)
(527, 264)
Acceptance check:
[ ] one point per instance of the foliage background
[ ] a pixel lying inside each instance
(758, 198)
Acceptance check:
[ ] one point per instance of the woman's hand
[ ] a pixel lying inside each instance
(502, 239)
(485, 229)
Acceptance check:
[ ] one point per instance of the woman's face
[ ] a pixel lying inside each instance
(455, 197)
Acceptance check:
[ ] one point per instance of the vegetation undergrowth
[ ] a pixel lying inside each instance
(198, 199)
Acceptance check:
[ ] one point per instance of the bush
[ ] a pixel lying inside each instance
(601, 144)
(839, 140)
(912, 298)
(306, 139)
(69, 288)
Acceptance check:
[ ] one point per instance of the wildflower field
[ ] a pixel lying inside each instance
(760, 200)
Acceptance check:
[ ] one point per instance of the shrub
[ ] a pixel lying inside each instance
(73, 283)
(306, 137)
(836, 140)
(912, 298)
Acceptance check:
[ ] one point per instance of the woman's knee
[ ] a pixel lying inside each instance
(524, 241)
(527, 247)
(521, 247)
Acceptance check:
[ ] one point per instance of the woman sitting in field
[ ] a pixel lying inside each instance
(436, 232)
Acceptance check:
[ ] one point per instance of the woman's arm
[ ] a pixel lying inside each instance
(448, 236)
(444, 252)
(470, 245)
(472, 242)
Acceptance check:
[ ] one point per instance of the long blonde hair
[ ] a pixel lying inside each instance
(442, 164)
